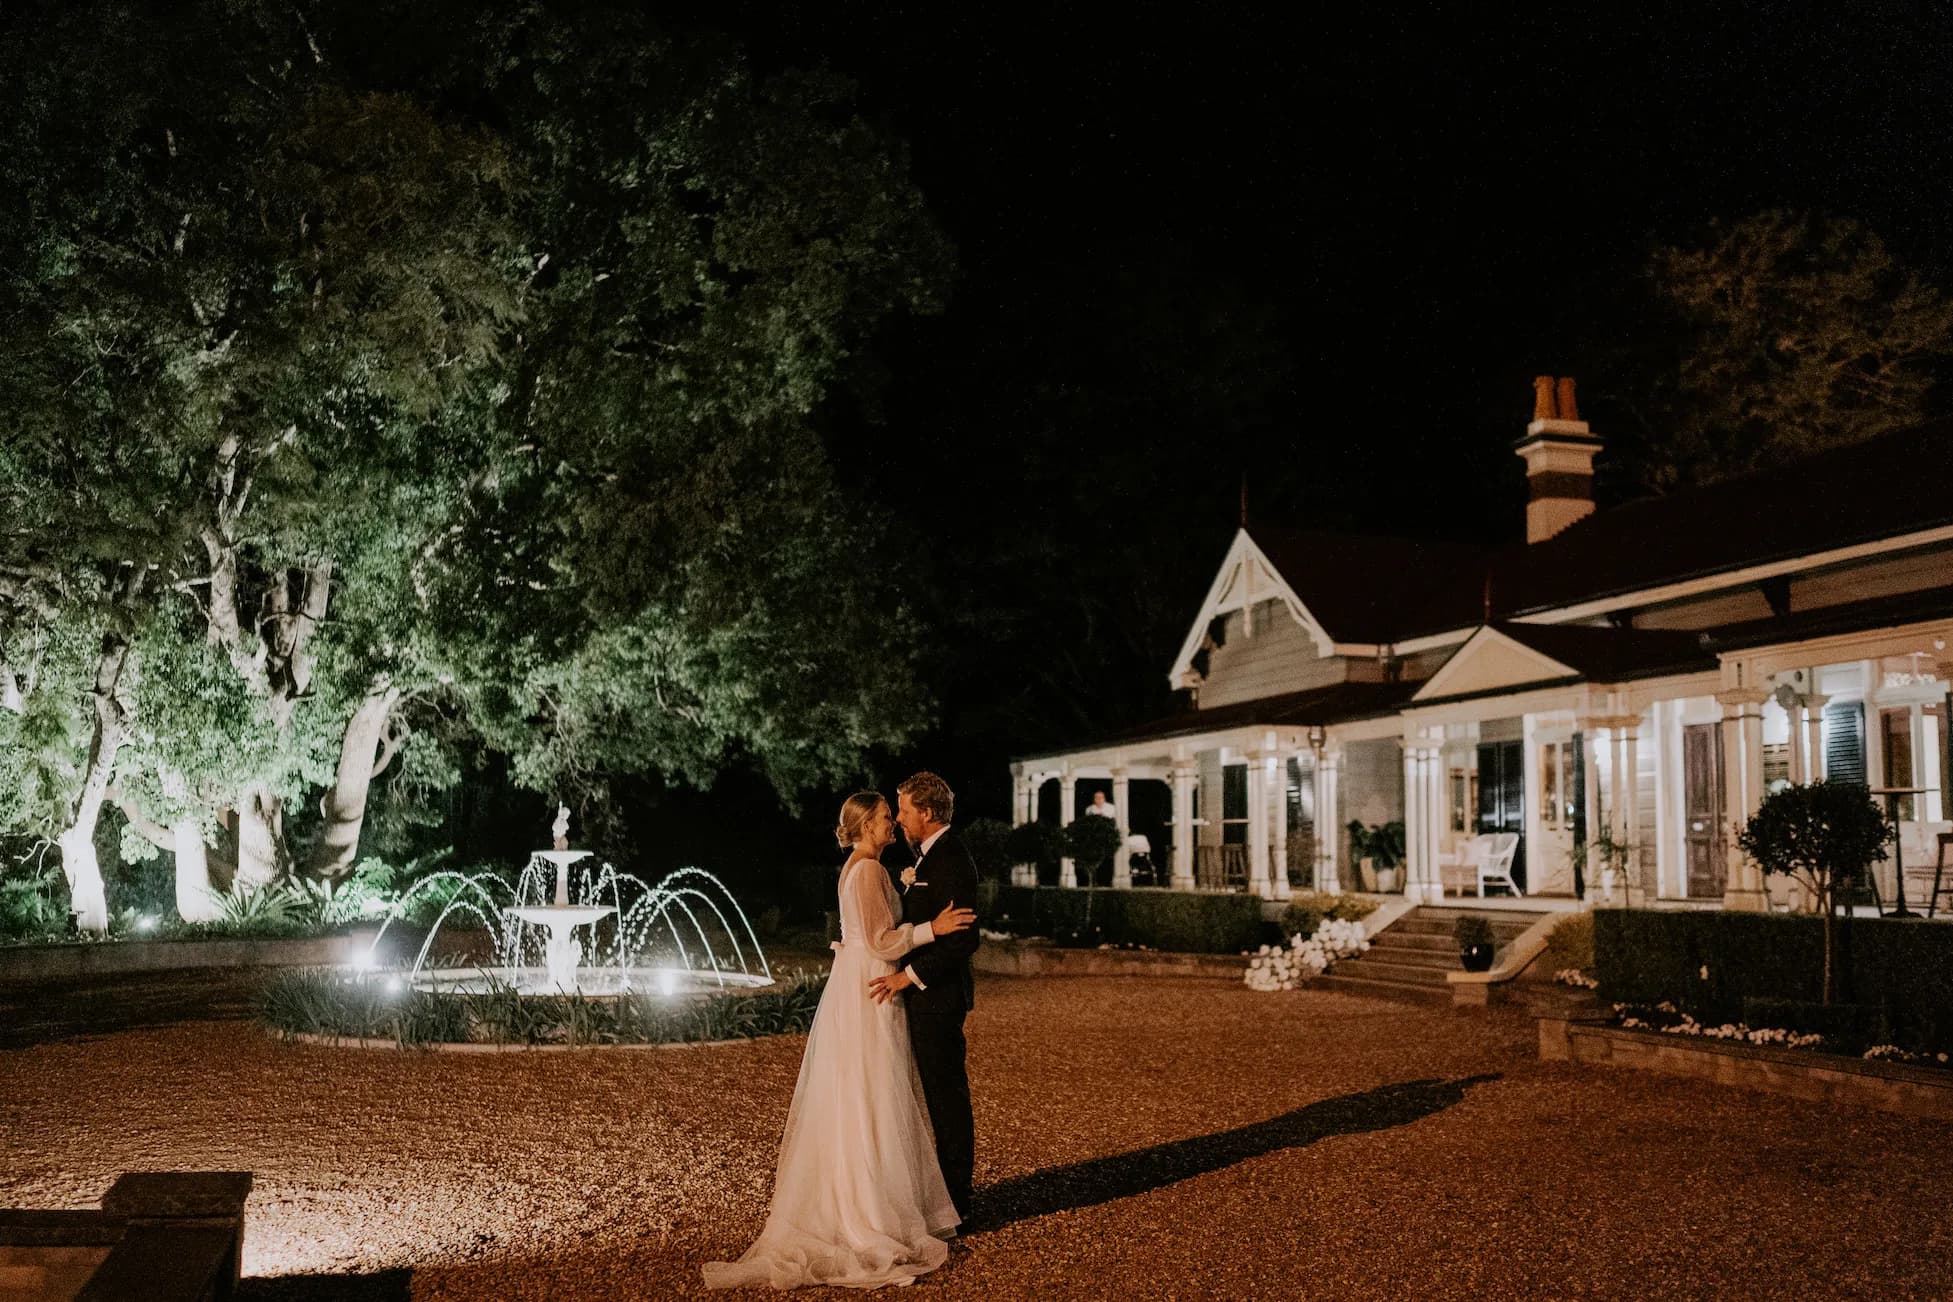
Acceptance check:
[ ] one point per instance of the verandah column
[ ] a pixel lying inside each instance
(1067, 814)
(1631, 822)
(1183, 828)
(1742, 749)
(1025, 808)
(1258, 824)
(1328, 879)
(1814, 721)
(1278, 801)
(1122, 815)
(1423, 809)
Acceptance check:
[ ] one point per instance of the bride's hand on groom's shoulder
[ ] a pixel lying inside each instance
(952, 919)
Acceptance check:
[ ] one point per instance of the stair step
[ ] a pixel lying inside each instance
(1371, 968)
(1443, 961)
(1414, 940)
(1400, 991)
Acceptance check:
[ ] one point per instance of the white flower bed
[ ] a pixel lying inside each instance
(1283, 967)
(1573, 976)
(1727, 1031)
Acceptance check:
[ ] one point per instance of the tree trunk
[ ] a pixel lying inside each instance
(260, 840)
(360, 760)
(1831, 944)
(195, 896)
(87, 894)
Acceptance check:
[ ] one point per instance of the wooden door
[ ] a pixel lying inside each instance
(1702, 809)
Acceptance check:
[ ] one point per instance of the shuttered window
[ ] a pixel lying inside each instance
(1844, 741)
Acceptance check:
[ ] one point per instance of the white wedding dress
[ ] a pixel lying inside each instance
(858, 1199)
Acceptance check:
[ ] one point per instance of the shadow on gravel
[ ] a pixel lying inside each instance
(385, 1286)
(34, 1013)
(1101, 1180)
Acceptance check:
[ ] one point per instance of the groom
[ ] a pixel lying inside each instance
(937, 987)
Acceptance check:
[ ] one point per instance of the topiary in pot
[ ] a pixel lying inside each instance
(1822, 835)
(1475, 942)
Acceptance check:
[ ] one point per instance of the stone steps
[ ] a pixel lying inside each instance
(1408, 960)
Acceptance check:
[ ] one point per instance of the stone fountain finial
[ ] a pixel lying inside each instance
(561, 827)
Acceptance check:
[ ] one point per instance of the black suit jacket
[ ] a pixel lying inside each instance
(946, 873)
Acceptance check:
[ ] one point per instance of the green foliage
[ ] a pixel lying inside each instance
(1793, 333)
(324, 1001)
(1035, 843)
(1092, 839)
(1383, 842)
(988, 840)
(1186, 922)
(33, 904)
(1470, 931)
(1306, 910)
(1571, 943)
(272, 911)
(1708, 964)
(1819, 833)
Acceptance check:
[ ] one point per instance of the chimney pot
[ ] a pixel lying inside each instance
(1559, 453)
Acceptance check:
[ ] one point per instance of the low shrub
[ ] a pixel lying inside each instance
(1571, 943)
(34, 906)
(1708, 964)
(1185, 922)
(1307, 909)
(325, 1001)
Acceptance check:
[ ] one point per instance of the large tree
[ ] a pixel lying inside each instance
(1780, 335)
(476, 402)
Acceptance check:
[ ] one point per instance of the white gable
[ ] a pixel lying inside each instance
(1246, 579)
(1489, 661)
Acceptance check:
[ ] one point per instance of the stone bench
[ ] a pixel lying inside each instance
(160, 1236)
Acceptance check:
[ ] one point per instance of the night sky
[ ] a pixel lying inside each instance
(1329, 253)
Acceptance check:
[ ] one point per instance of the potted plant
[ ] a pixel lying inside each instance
(1610, 857)
(1476, 945)
(1378, 851)
(1090, 841)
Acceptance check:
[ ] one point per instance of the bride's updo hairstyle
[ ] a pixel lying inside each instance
(856, 810)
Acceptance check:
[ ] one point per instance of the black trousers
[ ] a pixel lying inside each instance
(936, 1039)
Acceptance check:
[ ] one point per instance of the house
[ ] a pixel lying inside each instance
(1650, 670)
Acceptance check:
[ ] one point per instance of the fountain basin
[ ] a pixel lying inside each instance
(590, 982)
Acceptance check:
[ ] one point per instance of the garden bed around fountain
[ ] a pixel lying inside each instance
(369, 1010)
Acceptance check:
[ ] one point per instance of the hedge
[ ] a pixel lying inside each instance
(1182, 922)
(1717, 965)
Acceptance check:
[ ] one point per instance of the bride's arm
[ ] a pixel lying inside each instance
(885, 938)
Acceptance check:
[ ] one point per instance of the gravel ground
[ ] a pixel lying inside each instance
(1136, 1138)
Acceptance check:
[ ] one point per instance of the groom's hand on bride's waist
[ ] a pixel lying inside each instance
(883, 989)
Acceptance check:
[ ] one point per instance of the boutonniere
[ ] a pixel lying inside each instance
(908, 879)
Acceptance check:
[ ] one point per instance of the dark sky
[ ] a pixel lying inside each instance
(1434, 200)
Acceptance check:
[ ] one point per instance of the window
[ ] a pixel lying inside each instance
(1895, 735)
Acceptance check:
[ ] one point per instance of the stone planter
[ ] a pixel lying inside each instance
(1797, 1073)
(112, 957)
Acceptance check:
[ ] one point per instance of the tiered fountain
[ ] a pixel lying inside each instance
(694, 963)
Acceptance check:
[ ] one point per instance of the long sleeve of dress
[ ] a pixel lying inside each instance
(880, 933)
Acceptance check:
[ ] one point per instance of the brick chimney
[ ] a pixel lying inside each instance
(1559, 451)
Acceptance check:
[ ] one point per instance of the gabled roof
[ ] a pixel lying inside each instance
(1372, 590)
(1503, 657)
(1886, 487)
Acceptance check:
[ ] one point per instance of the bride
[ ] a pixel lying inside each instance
(858, 1199)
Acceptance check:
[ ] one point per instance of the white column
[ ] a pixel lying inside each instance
(1742, 740)
(1595, 742)
(1257, 824)
(1022, 809)
(1278, 802)
(1814, 721)
(1631, 820)
(1122, 815)
(1067, 814)
(1798, 772)
(1328, 822)
(1183, 825)
(1434, 779)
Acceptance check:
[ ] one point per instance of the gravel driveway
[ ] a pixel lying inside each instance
(1136, 1138)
